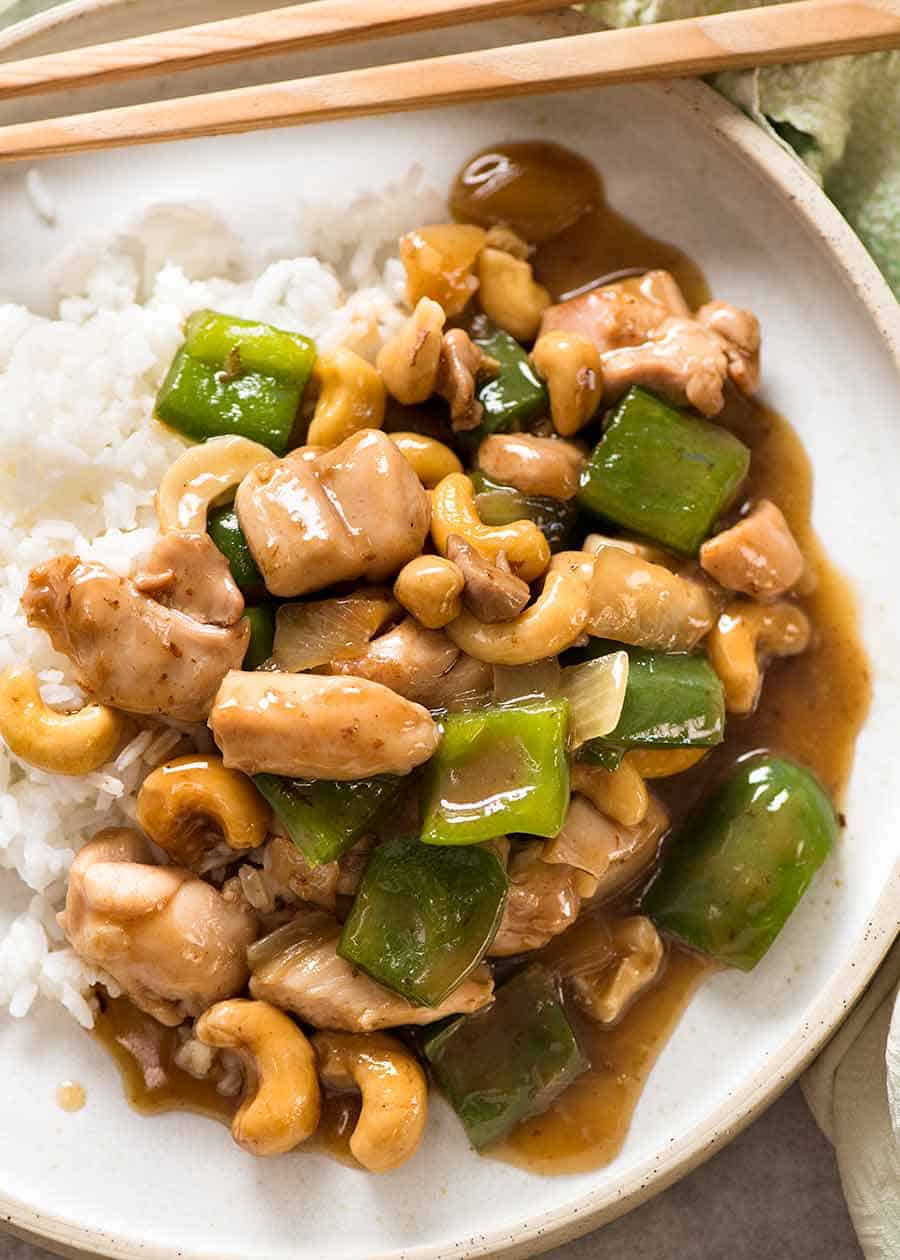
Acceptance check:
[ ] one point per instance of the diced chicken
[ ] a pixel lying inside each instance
(409, 659)
(357, 511)
(613, 961)
(293, 879)
(542, 901)
(189, 573)
(459, 367)
(130, 651)
(312, 727)
(534, 465)
(615, 855)
(173, 943)
(491, 593)
(646, 605)
(758, 556)
(299, 970)
(647, 336)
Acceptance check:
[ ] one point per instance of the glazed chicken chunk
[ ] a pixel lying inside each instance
(173, 943)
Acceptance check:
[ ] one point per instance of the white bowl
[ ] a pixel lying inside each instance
(691, 169)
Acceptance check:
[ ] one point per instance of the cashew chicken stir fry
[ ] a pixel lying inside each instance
(456, 619)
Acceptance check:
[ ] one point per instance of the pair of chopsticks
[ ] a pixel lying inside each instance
(801, 31)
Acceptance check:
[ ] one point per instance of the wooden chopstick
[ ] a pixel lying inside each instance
(801, 31)
(311, 25)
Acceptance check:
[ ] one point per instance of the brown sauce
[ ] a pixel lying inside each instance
(812, 706)
(70, 1096)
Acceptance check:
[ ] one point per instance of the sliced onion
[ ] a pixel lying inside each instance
(527, 682)
(311, 929)
(596, 694)
(307, 635)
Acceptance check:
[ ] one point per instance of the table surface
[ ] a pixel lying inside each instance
(773, 1193)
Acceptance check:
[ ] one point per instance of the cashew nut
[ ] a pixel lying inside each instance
(431, 460)
(509, 294)
(60, 743)
(553, 622)
(534, 465)
(351, 397)
(595, 543)
(186, 803)
(660, 763)
(429, 587)
(620, 793)
(744, 637)
(201, 475)
(282, 1101)
(409, 362)
(439, 260)
(394, 1094)
(453, 511)
(570, 365)
(633, 601)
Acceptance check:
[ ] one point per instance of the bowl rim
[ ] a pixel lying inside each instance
(781, 167)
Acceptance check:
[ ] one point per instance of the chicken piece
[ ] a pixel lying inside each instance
(459, 367)
(298, 969)
(534, 465)
(647, 605)
(542, 901)
(295, 879)
(355, 511)
(307, 726)
(622, 314)
(647, 336)
(130, 651)
(491, 593)
(615, 855)
(188, 572)
(409, 659)
(609, 963)
(172, 942)
(758, 556)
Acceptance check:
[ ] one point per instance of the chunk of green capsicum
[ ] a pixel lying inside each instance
(499, 504)
(511, 1061)
(262, 635)
(671, 701)
(738, 869)
(325, 818)
(423, 917)
(224, 529)
(496, 770)
(236, 376)
(662, 473)
(515, 396)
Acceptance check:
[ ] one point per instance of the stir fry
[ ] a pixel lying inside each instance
(453, 620)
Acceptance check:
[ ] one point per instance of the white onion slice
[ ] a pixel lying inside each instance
(307, 635)
(527, 682)
(596, 693)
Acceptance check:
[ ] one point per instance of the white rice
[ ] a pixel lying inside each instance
(81, 458)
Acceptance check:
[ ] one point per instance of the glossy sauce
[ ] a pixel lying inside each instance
(812, 706)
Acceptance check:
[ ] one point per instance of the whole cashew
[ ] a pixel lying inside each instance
(647, 605)
(429, 587)
(202, 474)
(570, 365)
(394, 1094)
(181, 802)
(409, 362)
(431, 460)
(550, 625)
(283, 1103)
(453, 511)
(60, 743)
(534, 465)
(660, 763)
(351, 397)
(620, 793)
(509, 294)
(744, 636)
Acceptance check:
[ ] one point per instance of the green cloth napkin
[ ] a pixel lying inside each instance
(841, 117)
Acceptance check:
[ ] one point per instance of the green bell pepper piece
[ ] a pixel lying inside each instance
(511, 1061)
(224, 529)
(596, 754)
(325, 818)
(738, 869)
(672, 700)
(262, 635)
(235, 376)
(515, 396)
(423, 918)
(663, 473)
(499, 504)
(498, 770)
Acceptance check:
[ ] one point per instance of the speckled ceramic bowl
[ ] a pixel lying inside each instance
(691, 169)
